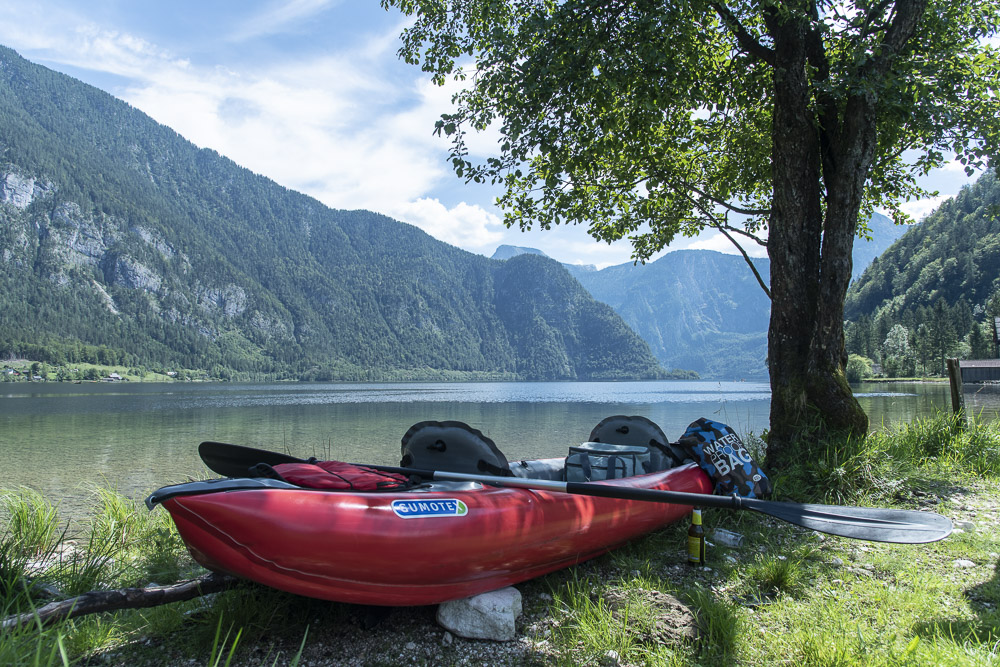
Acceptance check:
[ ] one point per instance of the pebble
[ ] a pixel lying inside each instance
(836, 562)
(963, 563)
(965, 526)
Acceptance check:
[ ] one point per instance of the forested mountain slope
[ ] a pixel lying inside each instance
(953, 254)
(120, 240)
(940, 282)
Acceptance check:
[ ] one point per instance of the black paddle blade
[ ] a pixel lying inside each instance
(236, 460)
(873, 524)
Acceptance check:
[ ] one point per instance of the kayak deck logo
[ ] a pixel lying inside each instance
(418, 509)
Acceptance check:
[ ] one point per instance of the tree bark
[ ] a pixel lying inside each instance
(810, 263)
(122, 598)
(794, 238)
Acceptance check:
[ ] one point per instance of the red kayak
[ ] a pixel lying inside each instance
(424, 545)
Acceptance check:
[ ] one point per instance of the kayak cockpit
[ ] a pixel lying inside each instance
(618, 447)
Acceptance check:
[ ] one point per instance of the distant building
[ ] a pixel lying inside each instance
(980, 370)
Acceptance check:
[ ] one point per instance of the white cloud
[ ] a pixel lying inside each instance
(919, 209)
(713, 240)
(467, 226)
(333, 126)
(278, 17)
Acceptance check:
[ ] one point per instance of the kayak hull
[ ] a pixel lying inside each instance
(415, 547)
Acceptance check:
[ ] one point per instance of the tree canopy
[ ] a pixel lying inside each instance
(778, 123)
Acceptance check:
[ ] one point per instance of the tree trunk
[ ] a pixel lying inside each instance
(810, 268)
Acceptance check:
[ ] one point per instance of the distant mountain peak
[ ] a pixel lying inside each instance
(507, 251)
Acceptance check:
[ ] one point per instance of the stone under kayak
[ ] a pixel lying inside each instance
(433, 542)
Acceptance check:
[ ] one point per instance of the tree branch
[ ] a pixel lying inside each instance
(743, 37)
(724, 229)
(736, 230)
(726, 205)
(746, 258)
(123, 598)
(904, 25)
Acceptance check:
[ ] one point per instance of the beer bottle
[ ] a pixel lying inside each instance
(696, 539)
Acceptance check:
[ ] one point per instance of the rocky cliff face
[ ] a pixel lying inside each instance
(58, 239)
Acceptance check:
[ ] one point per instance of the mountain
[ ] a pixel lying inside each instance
(937, 288)
(505, 252)
(123, 243)
(699, 309)
(883, 233)
(953, 254)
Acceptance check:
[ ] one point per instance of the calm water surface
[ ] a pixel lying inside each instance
(62, 439)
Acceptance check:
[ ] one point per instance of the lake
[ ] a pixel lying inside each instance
(63, 439)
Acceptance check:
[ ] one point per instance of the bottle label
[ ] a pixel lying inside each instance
(696, 550)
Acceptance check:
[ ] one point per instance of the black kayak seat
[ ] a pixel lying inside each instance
(452, 446)
(642, 432)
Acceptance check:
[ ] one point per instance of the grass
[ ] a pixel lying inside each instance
(786, 596)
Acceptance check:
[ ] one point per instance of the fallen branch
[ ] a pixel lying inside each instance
(123, 598)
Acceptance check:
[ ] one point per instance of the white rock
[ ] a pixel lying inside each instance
(487, 616)
(966, 526)
(961, 562)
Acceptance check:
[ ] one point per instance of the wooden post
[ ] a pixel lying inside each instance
(996, 337)
(957, 398)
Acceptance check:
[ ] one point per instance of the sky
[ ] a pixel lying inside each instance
(311, 94)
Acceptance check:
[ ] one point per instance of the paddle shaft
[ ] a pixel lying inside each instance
(863, 523)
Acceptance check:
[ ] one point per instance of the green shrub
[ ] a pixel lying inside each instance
(859, 368)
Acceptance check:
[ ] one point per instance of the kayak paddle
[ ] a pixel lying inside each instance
(873, 524)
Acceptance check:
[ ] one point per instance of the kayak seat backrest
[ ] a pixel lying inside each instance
(452, 446)
(640, 432)
(594, 461)
(333, 476)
